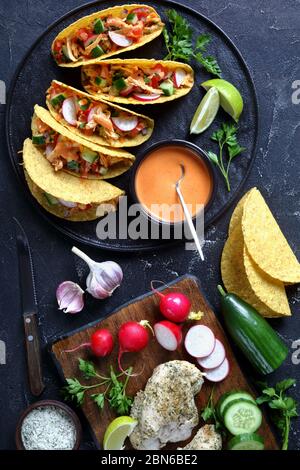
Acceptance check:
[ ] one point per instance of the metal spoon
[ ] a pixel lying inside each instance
(187, 213)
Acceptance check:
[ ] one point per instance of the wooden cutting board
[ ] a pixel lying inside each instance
(146, 307)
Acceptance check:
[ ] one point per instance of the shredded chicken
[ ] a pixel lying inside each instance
(206, 439)
(141, 84)
(166, 410)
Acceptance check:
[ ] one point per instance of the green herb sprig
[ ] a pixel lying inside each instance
(179, 44)
(209, 413)
(226, 137)
(283, 407)
(114, 390)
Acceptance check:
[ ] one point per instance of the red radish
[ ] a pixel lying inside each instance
(145, 97)
(168, 335)
(199, 341)
(93, 111)
(125, 124)
(133, 337)
(179, 77)
(215, 359)
(174, 306)
(119, 39)
(101, 343)
(69, 111)
(219, 373)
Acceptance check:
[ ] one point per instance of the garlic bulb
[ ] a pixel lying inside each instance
(103, 278)
(69, 297)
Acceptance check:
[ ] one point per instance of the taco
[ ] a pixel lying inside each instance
(137, 81)
(106, 33)
(63, 195)
(69, 152)
(96, 120)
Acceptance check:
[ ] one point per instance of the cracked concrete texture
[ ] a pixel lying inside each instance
(267, 34)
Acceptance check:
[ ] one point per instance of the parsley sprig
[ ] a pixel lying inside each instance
(179, 44)
(114, 390)
(283, 407)
(209, 413)
(226, 137)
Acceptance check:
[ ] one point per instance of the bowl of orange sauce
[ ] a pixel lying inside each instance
(154, 177)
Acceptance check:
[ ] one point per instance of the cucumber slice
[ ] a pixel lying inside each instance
(231, 396)
(89, 155)
(242, 416)
(246, 442)
(52, 201)
(58, 99)
(38, 139)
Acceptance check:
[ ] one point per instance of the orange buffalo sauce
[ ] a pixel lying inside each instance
(156, 177)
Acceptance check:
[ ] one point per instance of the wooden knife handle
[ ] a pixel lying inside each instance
(33, 354)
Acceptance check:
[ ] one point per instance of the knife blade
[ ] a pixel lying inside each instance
(29, 311)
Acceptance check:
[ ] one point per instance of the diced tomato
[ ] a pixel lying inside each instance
(57, 46)
(136, 32)
(84, 34)
(104, 71)
(155, 80)
(136, 130)
(161, 70)
(141, 13)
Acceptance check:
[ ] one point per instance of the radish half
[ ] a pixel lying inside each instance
(125, 124)
(69, 111)
(199, 341)
(145, 97)
(168, 335)
(119, 39)
(215, 359)
(218, 373)
(179, 77)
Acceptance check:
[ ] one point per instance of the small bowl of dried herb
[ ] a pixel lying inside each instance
(48, 425)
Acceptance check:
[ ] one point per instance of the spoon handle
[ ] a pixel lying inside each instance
(190, 222)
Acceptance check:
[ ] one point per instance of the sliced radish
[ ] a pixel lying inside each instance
(145, 97)
(119, 39)
(168, 335)
(92, 112)
(125, 124)
(49, 149)
(218, 373)
(179, 77)
(215, 359)
(68, 204)
(69, 111)
(127, 90)
(199, 341)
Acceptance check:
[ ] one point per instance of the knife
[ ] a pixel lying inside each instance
(29, 310)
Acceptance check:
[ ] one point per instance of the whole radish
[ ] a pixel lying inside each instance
(175, 306)
(101, 343)
(133, 337)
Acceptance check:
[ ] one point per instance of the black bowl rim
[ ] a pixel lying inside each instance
(199, 153)
(45, 403)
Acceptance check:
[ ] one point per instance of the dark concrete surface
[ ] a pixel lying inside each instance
(267, 34)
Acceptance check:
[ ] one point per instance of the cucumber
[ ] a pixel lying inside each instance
(52, 201)
(262, 346)
(58, 99)
(38, 139)
(242, 416)
(167, 87)
(246, 442)
(229, 397)
(89, 155)
(97, 52)
(98, 26)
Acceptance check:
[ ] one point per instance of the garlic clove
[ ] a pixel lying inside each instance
(69, 297)
(103, 278)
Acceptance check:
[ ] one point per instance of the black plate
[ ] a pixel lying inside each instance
(172, 120)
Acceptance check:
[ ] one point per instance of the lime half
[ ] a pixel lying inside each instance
(206, 111)
(117, 431)
(230, 98)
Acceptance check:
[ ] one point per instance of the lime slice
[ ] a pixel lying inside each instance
(230, 97)
(117, 431)
(206, 112)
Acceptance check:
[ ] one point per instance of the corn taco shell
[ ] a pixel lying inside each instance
(68, 52)
(266, 243)
(234, 274)
(91, 160)
(56, 192)
(145, 75)
(107, 130)
(236, 217)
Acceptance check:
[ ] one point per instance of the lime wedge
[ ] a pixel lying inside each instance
(206, 112)
(230, 97)
(117, 431)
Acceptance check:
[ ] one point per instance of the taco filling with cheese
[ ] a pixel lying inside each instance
(106, 33)
(137, 80)
(98, 121)
(66, 151)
